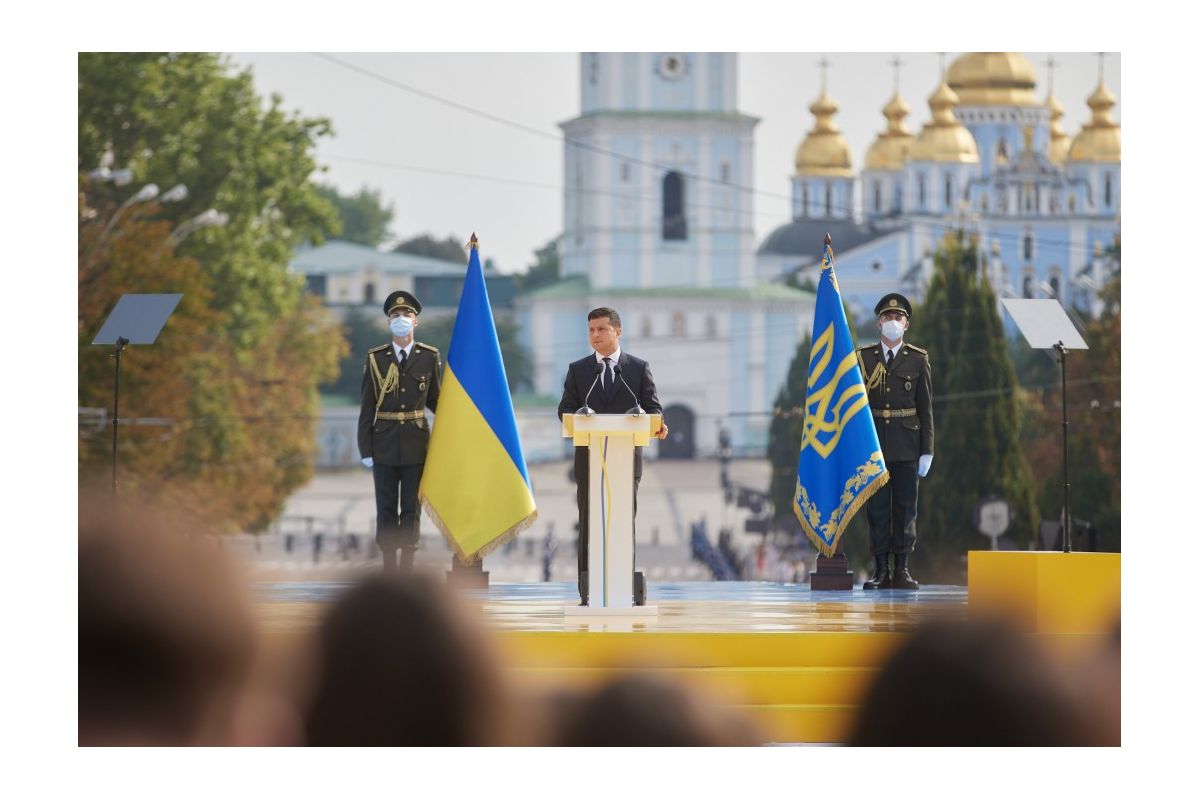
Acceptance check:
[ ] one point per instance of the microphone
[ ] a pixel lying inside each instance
(637, 407)
(584, 409)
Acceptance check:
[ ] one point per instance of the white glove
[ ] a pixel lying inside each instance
(923, 464)
(369, 462)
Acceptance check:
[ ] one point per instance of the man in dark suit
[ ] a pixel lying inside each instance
(400, 380)
(608, 381)
(900, 391)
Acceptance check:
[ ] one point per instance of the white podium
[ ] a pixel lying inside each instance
(610, 439)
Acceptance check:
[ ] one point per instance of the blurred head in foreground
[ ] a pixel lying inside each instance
(639, 710)
(401, 661)
(978, 683)
(165, 639)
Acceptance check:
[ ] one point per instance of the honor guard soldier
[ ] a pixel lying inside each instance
(400, 380)
(900, 391)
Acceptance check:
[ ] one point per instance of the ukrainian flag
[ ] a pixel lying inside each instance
(475, 486)
(841, 463)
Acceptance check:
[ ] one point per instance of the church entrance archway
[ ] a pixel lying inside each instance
(681, 441)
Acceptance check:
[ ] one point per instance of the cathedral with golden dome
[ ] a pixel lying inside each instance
(992, 160)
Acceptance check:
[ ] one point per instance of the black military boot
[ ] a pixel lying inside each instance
(407, 557)
(900, 577)
(881, 579)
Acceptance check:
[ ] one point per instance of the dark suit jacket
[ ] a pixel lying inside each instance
(636, 373)
(398, 442)
(907, 385)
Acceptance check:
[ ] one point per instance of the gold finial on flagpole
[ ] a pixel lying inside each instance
(474, 243)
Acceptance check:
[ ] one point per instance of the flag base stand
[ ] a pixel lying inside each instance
(832, 573)
(467, 576)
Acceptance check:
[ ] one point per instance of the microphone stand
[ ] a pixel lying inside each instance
(638, 410)
(585, 409)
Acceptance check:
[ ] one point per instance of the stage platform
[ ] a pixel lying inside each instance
(795, 660)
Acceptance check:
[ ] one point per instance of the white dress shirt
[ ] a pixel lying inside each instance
(895, 351)
(407, 350)
(612, 364)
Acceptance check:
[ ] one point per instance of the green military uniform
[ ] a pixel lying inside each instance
(394, 433)
(901, 398)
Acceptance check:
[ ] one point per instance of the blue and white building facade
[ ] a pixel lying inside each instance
(658, 224)
(993, 161)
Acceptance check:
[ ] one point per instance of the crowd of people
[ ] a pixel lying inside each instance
(170, 654)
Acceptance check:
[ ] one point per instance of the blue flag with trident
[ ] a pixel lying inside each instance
(841, 463)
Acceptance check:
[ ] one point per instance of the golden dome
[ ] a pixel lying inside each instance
(944, 138)
(1100, 139)
(890, 147)
(824, 150)
(1060, 140)
(992, 79)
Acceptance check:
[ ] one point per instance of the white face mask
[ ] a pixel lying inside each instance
(401, 326)
(893, 329)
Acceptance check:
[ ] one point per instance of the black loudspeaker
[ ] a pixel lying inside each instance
(639, 589)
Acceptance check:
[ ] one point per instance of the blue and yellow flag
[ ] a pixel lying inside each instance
(841, 463)
(475, 486)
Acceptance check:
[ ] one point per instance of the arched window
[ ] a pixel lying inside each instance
(983, 202)
(674, 217)
(804, 200)
(1027, 287)
(368, 294)
(949, 193)
(710, 326)
(1002, 151)
(1108, 190)
(828, 199)
(678, 324)
(1028, 247)
(878, 198)
(647, 327)
(1054, 285)
(921, 191)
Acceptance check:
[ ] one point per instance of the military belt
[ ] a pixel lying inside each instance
(400, 415)
(891, 413)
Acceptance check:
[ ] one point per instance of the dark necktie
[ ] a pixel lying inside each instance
(403, 358)
(888, 366)
(606, 380)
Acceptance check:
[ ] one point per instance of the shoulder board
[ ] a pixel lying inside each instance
(428, 347)
(866, 347)
(378, 349)
(920, 350)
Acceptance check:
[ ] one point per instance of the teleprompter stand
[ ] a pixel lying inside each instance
(1046, 326)
(136, 319)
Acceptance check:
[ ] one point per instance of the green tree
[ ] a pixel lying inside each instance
(362, 332)
(452, 248)
(545, 270)
(518, 366)
(978, 415)
(785, 432)
(237, 368)
(363, 217)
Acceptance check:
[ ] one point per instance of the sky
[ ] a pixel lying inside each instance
(447, 171)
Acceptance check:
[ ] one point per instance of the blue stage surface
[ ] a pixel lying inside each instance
(715, 606)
